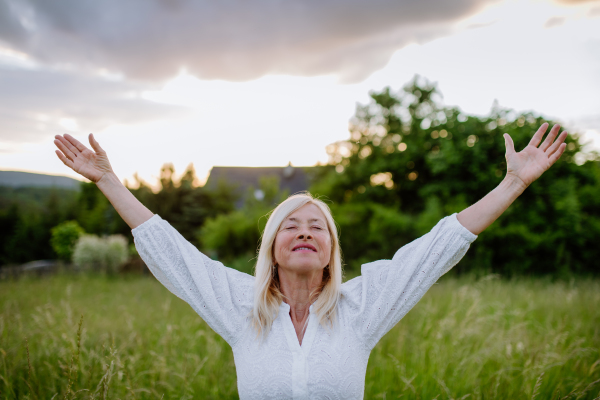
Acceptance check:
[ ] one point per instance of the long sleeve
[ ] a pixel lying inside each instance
(221, 296)
(388, 289)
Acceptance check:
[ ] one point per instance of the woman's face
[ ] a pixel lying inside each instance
(303, 242)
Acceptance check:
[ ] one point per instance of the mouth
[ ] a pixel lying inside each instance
(305, 247)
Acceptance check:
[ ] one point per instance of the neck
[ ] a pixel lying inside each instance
(299, 291)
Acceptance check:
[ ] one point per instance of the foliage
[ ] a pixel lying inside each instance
(27, 215)
(410, 161)
(184, 205)
(474, 339)
(237, 234)
(105, 254)
(64, 237)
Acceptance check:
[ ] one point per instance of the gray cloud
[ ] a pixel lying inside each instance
(33, 102)
(230, 39)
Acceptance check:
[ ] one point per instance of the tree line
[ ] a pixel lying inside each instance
(28, 215)
(408, 162)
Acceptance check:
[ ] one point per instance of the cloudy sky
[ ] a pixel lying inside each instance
(268, 82)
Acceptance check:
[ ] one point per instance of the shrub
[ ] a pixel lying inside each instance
(64, 237)
(101, 254)
(237, 234)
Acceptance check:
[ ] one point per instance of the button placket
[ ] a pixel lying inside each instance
(299, 353)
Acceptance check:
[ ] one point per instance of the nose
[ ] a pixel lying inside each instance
(304, 233)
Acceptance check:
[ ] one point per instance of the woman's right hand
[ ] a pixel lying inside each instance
(91, 164)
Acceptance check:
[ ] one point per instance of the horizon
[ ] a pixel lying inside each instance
(176, 177)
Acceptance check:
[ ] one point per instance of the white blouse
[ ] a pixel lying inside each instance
(328, 365)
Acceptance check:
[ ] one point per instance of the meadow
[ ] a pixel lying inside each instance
(127, 337)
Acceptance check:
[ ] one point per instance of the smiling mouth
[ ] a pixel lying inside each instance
(305, 249)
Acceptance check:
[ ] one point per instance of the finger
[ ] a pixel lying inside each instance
(75, 142)
(94, 143)
(556, 145)
(550, 138)
(557, 154)
(537, 137)
(510, 145)
(64, 159)
(68, 145)
(67, 152)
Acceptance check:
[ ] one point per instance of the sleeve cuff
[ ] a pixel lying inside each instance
(464, 232)
(155, 219)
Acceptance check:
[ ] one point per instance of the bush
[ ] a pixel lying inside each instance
(64, 237)
(101, 254)
(237, 234)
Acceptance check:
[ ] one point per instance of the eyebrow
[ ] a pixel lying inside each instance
(310, 220)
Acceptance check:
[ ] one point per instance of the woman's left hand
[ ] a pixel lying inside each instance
(530, 163)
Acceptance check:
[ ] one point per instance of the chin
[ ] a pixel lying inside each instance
(305, 267)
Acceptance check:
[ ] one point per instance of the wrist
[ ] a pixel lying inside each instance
(513, 184)
(108, 179)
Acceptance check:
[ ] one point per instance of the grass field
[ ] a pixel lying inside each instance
(466, 339)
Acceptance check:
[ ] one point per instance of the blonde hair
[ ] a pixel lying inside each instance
(267, 293)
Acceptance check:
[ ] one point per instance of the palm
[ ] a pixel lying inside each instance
(530, 163)
(90, 164)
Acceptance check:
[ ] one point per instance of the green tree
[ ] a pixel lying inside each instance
(26, 217)
(95, 214)
(64, 238)
(410, 161)
(183, 203)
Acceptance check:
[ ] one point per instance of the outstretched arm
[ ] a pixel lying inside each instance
(94, 165)
(523, 168)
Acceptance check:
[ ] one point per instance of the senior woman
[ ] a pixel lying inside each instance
(296, 331)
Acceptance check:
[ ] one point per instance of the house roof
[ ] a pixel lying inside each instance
(294, 179)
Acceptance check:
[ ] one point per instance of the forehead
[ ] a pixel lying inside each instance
(308, 212)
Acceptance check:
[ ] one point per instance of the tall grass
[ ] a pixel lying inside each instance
(84, 337)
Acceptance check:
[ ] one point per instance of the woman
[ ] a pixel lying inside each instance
(296, 331)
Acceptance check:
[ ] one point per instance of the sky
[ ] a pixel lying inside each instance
(268, 82)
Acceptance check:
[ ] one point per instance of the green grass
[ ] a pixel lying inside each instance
(467, 338)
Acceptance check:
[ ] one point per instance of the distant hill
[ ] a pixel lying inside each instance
(17, 179)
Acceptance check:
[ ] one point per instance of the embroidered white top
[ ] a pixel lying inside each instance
(328, 365)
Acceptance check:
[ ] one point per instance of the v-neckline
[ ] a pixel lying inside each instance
(290, 330)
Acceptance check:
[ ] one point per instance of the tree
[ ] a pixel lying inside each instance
(26, 217)
(410, 161)
(237, 234)
(184, 204)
